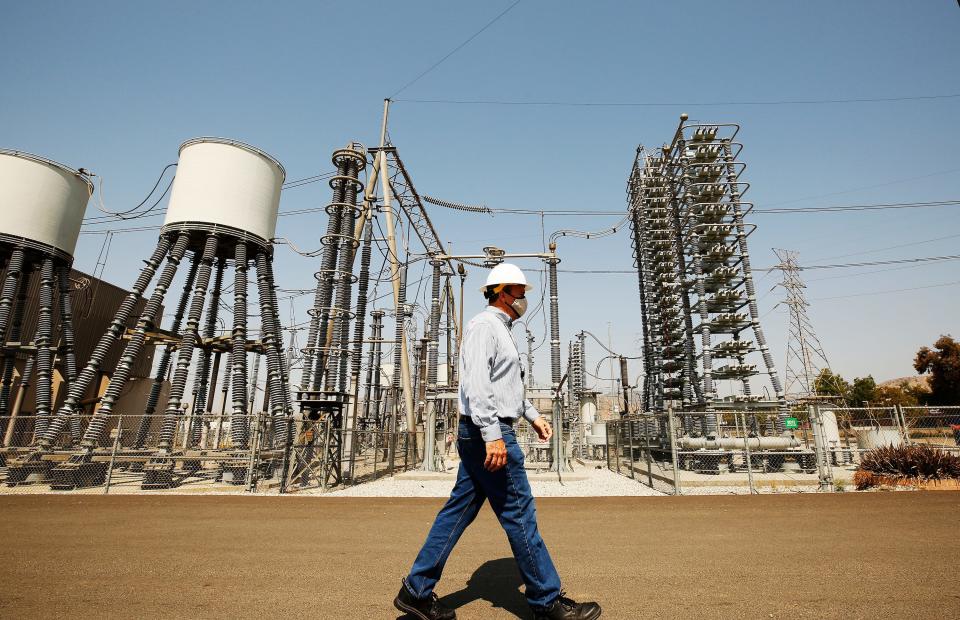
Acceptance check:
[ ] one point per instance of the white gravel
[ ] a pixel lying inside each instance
(599, 483)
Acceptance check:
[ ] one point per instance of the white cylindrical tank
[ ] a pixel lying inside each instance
(588, 408)
(226, 183)
(871, 438)
(42, 201)
(831, 429)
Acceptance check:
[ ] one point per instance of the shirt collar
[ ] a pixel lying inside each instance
(500, 314)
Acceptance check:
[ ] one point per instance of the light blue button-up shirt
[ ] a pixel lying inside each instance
(491, 379)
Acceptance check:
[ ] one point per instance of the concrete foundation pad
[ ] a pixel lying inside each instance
(451, 475)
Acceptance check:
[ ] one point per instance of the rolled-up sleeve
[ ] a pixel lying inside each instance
(478, 352)
(530, 412)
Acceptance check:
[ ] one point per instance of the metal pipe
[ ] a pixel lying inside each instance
(393, 257)
(738, 443)
(117, 326)
(18, 400)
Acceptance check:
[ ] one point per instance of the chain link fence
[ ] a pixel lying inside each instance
(208, 453)
(818, 448)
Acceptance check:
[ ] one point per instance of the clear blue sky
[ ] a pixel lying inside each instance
(116, 86)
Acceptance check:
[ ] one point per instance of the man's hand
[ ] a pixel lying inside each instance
(496, 455)
(543, 429)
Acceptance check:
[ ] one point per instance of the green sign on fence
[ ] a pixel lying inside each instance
(791, 423)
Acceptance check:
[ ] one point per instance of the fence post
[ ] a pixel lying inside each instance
(673, 451)
(824, 470)
(113, 454)
(285, 464)
(633, 474)
(606, 445)
(746, 448)
(902, 423)
(617, 442)
(646, 434)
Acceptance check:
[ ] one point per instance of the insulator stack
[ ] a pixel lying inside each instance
(697, 293)
(163, 365)
(43, 204)
(399, 335)
(203, 402)
(372, 395)
(326, 356)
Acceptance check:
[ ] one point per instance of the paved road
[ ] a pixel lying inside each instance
(881, 555)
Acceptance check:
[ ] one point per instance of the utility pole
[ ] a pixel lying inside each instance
(395, 271)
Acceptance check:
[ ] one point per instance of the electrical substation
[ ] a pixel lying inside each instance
(216, 401)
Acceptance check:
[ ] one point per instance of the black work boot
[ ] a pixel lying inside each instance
(428, 608)
(567, 609)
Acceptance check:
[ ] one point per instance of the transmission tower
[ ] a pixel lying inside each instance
(805, 357)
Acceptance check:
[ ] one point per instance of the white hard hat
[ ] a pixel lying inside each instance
(505, 273)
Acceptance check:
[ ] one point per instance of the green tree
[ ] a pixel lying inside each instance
(864, 390)
(897, 395)
(943, 364)
(829, 384)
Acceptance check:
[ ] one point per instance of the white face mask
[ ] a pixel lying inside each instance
(519, 306)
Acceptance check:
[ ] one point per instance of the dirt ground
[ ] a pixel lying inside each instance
(878, 555)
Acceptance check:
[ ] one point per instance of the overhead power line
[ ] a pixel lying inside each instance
(895, 290)
(924, 259)
(639, 104)
(455, 50)
(867, 207)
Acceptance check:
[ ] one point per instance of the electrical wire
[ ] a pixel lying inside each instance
(454, 50)
(892, 247)
(865, 207)
(636, 104)
(122, 214)
(925, 259)
(455, 205)
(599, 234)
(307, 180)
(896, 290)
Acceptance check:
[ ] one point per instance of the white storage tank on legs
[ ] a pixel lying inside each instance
(43, 202)
(225, 185)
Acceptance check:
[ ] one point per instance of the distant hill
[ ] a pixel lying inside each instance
(916, 381)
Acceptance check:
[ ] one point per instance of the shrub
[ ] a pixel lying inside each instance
(909, 462)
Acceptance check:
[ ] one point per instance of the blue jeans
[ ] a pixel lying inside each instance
(512, 501)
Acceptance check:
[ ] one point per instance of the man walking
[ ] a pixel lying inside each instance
(491, 463)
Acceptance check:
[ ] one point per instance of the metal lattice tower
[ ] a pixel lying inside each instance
(697, 294)
(805, 355)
